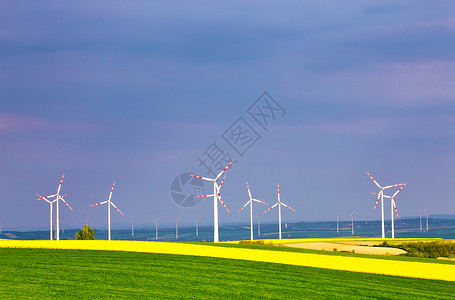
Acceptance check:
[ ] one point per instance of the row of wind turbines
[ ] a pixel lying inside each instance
(55, 198)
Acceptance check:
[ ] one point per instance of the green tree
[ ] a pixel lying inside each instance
(86, 233)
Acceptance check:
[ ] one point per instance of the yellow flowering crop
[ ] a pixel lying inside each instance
(355, 264)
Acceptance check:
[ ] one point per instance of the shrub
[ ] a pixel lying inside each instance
(86, 233)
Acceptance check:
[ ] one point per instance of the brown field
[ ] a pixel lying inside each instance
(349, 246)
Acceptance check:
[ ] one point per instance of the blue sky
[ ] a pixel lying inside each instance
(136, 91)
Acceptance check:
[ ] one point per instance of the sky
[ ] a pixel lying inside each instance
(307, 94)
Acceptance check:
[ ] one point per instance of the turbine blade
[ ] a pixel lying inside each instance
(222, 203)
(260, 201)
(395, 207)
(200, 177)
(399, 190)
(98, 203)
(272, 207)
(204, 196)
(65, 202)
(219, 187)
(224, 170)
(249, 192)
(60, 184)
(116, 208)
(246, 204)
(44, 198)
(394, 185)
(287, 206)
(110, 194)
(377, 200)
(279, 193)
(374, 180)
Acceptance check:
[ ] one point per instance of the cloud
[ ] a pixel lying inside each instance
(23, 124)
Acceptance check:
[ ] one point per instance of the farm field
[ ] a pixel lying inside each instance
(55, 273)
(445, 270)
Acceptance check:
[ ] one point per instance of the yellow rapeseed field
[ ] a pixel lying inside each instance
(355, 264)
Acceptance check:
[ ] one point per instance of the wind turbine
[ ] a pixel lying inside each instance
(156, 227)
(420, 213)
(176, 228)
(394, 206)
(338, 228)
(197, 225)
(352, 223)
(279, 203)
(50, 215)
(216, 195)
(259, 225)
(57, 197)
(427, 213)
(109, 203)
(250, 202)
(381, 196)
(132, 226)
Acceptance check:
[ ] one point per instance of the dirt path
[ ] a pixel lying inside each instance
(347, 248)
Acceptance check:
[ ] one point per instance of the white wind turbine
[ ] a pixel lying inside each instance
(57, 197)
(250, 202)
(352, 223)
(132, 226)
(109, 203)
(279, 203)
(197, 225)
(50, 215)
(259, 225)
(338, 228)
(176, 228)
(381, 196)
(427, 213)
(393, 207)
(156, 227)
(216, 195)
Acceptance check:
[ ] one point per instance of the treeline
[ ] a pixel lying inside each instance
(427, 249)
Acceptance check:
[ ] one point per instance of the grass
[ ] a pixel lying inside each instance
(333, 253)
(319, 260)
(53, 273)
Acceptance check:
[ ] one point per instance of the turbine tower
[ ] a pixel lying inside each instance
(57, 197)
(50, 214)
(279, 203)
(250, 202)
(132, 226)
(352, 223)
(338, 228)
(109, 203)
(259, 225)
(197, 225)
(427, 213)
(176, 228)
(156, 227)
(393, 207)
(381, 196)
(216, 195)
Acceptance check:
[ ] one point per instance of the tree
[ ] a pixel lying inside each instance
(86, 233)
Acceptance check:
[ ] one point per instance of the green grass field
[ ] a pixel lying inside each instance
(45, 273)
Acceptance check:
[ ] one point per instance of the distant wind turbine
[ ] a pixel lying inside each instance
(197, 225)
(250, 202)
(279, 203)
(156, 227)
(427, 213)
(109, 203)
(176, 228)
